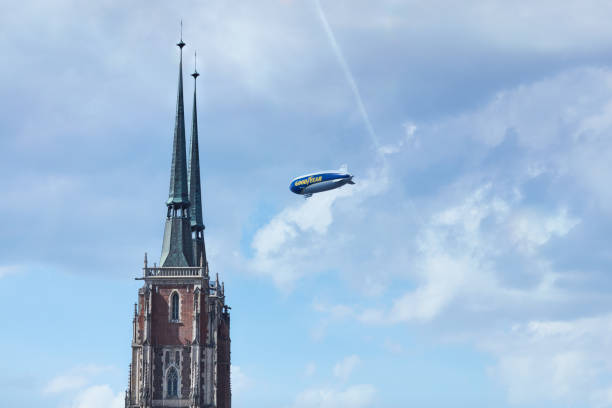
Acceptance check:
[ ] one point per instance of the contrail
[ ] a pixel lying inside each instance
(347, 73)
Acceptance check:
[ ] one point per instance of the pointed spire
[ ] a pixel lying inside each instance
(195, 186)
(177, 247)
(178, 196)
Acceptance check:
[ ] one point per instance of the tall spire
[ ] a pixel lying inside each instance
(177, 248)
(195, 186)
(179, 195)
(195, 189)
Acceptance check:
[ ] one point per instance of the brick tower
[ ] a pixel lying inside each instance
(181, 343)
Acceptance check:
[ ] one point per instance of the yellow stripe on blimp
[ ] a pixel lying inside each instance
(307, 181)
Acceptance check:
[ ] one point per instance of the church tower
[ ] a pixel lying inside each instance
(181, 343)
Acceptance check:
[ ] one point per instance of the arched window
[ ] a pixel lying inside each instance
(172, 383)
(175, 307)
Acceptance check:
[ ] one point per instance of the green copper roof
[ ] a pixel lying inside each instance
(195, 187)
(179, 195)
(177, 248)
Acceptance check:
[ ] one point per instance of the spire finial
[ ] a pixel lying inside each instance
(195, 74)
(181, 44)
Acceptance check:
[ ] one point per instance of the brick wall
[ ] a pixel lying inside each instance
(223, 363)
(163, 331)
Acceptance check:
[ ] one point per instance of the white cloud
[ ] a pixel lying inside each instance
(530, 230)
(334, 311)
(355, 396)
(408, 139)
(481, 247)
(77, 389)
(457, 254)
(280, 243)
(65, 382)
(446, 277)
(451, 258)
(240, 381)
(561, 124)
(543, 27)
(98, 396)
(345, 367)
(456, 261)
(296, 240)
(76, 378)
(565, 361)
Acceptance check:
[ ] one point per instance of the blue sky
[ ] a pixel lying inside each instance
(468, 266)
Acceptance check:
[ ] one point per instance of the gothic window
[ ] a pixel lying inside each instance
(172, 383)
(174, 301)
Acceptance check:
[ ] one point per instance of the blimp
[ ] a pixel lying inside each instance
(312, 183)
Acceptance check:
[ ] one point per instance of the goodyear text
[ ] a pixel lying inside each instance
(307, 181)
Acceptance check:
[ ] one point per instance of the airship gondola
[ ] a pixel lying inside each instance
(312, 183)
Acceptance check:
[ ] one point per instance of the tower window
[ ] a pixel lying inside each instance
(174, 300)
(172, 383)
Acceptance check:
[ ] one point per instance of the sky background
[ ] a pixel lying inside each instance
(469, 266)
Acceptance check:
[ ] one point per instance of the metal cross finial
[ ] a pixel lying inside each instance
(195, 74)
(181, 44)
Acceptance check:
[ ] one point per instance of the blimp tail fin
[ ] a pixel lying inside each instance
(351, 181)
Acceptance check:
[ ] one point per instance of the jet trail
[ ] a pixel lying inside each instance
(347, 73)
